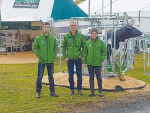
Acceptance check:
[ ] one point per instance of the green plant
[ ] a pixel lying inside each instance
(119, 63)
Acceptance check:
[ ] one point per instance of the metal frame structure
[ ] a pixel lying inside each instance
(146, 54)
(3, 48)
(103, 23)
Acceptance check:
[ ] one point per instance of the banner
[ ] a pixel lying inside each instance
(26, 4)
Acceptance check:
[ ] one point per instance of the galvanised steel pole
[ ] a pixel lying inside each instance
(110, 7)
(89, 9)
(102, 7)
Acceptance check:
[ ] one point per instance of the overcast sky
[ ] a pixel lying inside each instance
(0, 2)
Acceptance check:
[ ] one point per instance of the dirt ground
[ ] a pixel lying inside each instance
(62, 79)
(18, 57)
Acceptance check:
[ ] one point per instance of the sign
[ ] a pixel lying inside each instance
(26, 4)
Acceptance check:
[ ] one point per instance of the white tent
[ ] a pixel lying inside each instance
(35, 10)
(139, 10)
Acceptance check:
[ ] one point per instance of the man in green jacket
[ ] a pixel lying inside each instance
(94, 53)
(72, 53)
(45, 47)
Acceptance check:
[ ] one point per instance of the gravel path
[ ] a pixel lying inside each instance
(134, 101)
(142, 106)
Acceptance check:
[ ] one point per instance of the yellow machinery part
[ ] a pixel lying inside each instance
(78, 2)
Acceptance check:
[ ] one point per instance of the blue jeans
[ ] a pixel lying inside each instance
(50, 70)
(78, 65)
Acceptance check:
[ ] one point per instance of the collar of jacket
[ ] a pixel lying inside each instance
(69, 34)
(97, 38)
(44, 35)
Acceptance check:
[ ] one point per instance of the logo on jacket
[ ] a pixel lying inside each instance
(90, 45)
(70, 40)
(42, 41)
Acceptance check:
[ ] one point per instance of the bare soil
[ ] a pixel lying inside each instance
(62, 79)
(18, 58)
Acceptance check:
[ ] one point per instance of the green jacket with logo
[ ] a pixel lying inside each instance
(45, 48)
(94, 52)
(71, 45)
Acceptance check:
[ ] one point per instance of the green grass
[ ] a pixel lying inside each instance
(138, 70)
(18, 84)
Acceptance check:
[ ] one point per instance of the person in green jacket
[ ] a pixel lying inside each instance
(72, 49)
(94, 54)
(45, 47)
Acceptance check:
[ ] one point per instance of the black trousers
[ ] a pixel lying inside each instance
(97, 70)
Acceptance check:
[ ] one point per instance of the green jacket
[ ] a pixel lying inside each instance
(94, 52)
(45, 48)
(71, 45)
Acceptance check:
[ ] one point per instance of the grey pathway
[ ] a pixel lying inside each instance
(133, 107)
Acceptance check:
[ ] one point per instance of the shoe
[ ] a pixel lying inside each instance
(54, 94)
(71, 92)
(80, 92)
(100, 94)
(91, 95)
(37, 95)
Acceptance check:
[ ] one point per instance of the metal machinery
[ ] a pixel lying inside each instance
(146, 53)
(124, 54)
(3, 44)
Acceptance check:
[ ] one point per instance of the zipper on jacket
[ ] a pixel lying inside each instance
(73, 46)
(93, 52)
(47, 48)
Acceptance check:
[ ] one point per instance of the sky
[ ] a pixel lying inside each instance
(0, 4)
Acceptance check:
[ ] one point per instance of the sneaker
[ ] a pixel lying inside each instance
(91, 95)
(71, 92)
(54, 94)
(37, 95)
(80, 92)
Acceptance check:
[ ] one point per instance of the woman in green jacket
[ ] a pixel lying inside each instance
(94, 54)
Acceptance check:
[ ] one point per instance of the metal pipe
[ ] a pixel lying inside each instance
(105, 40)
(60, 53)
(110, 7)
(102, 7)
(89, 9)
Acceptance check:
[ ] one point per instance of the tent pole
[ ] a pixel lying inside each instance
(110, 7)
(89, 9)
(102, 7)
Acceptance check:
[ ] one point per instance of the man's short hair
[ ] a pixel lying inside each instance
(72, 21)
(46, 23)
(94, 30)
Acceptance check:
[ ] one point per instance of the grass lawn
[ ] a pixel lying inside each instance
(18, 89)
